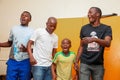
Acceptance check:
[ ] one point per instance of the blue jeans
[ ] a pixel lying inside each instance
(96, 72)
(41, 73)
(18, 70)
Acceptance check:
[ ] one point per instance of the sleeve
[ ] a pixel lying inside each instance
(56, 43)
(11, 35)
(108, 31)
(81, 33)
(74, 57)
(34, 35)
(55, 59)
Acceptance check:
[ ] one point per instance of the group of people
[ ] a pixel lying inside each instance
(36, 51)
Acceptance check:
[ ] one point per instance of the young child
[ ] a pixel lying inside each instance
(63, 61)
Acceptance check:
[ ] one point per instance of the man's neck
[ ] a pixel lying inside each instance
(95, 24)
(24, 25)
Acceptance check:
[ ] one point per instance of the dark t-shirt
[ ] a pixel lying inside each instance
(93, 52)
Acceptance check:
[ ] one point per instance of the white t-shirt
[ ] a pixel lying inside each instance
(19, 35)
(43, 46)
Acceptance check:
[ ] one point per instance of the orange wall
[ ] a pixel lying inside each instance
(70, 28)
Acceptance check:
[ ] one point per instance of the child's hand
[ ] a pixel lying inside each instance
(76, 66)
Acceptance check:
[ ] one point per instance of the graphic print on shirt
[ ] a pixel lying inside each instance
(16, 49)
(93, 46)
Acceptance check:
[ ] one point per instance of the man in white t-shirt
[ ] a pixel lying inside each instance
(45, 44)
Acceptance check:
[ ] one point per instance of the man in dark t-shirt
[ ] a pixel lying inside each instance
(94, 36)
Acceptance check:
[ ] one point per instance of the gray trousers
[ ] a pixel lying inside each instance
(91, 72)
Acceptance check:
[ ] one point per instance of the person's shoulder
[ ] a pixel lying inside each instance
(16, 27)
(86, 25)
(31, 29)
(58, 53)
(72, 52)
(39, 29)
(55, 35)
(104, 25)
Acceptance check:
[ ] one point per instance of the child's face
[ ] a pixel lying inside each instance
(65, 45)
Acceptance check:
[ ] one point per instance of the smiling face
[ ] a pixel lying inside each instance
(51, 25)
(65, 45)
(94, 14)
(25, 18)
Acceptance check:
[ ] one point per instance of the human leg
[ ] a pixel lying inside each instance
(41, 73)
(84, 73)
(38, 72)
(48, 75)
(97, 72)
(24, 70)
(12, 70)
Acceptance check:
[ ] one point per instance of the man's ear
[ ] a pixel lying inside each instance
(98, 14)
(70, 46)
(30, 20)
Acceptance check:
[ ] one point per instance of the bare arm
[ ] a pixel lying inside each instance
(53, 68)
(80, 49)
(76, 64)
(106, 42)
(76, 76)
(32, 60)
(54, 51)
(103, 42)
(6, 44)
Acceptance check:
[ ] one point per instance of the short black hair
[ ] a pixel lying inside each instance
(67, 40)
(28, 13)
(98, 10)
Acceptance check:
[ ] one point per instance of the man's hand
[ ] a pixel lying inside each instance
(23, 48)
(76, 66)
(32, 61)
(87, 40)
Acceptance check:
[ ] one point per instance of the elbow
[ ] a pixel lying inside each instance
(9, 43)
(108, 44)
